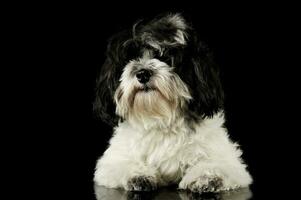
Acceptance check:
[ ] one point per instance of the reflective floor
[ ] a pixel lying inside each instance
(103, 193)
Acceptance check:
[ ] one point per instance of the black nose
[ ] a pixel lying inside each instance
(143, 75)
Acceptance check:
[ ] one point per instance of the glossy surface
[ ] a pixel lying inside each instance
(103, 193)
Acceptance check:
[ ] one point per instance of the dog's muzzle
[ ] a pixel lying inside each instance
(143, 76)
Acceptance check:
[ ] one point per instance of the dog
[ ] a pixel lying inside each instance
(160, 89)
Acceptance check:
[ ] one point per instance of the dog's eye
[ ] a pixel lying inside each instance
(165, 58)
(132, 54)
(158, 55)
(155, 53)
(130, 50)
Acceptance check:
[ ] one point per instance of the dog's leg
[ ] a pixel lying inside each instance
(141, 183)
(125, 173)
(215, 177)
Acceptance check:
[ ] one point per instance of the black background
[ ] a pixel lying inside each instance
(64, 47)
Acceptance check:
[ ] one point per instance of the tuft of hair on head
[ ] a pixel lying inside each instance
(177, 20)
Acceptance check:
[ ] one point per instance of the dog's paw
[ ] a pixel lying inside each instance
(206, 184)
(141, 183)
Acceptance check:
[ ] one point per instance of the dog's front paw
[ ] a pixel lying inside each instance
(141, 183)
(205, 184)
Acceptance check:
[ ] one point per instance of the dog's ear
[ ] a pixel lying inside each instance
(103, 105)
(108, 80)
(201, 74)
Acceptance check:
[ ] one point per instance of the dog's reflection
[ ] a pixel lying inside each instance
(103, 193)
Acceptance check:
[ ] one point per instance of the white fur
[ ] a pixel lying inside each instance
(175, 155)
(156, 107)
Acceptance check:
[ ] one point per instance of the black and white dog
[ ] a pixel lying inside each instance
(161, 90)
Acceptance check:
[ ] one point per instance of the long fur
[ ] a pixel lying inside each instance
(170, 129)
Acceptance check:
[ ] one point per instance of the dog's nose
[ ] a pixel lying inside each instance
(143, 76)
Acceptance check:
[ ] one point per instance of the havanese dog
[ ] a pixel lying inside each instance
(160, 89)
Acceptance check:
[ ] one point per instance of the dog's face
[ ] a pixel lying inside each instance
(157, 71)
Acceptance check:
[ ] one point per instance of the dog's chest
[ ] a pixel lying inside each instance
(165, 153)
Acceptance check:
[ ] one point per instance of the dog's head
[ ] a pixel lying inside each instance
(158, 70)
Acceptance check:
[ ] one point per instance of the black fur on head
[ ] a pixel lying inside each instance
(201, 74)
(108, 79)
(173, 41)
